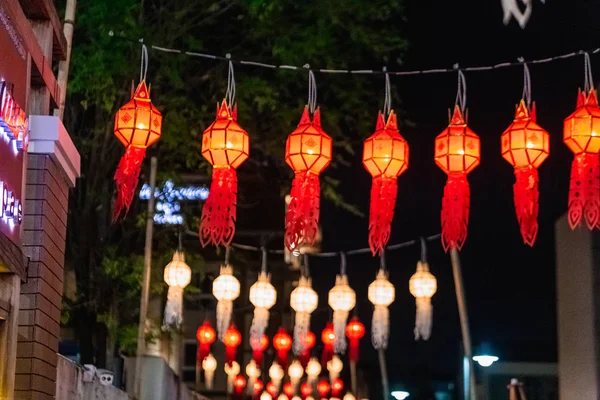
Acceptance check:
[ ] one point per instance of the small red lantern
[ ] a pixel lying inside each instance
(226, 146)
(525, 145)
(306, 389)
(385, 156)
(258, 387)
(308, 153)
(457, 152)
(138, 125)
(232, 340)
(239, 383)
(355, 330)
(323, 388)
(581, 134)
(206, 336)
(282, 342)
(288, 389)
(258, 351)
(309, 343)
(337, 385)
(328, 339)
(272, 389)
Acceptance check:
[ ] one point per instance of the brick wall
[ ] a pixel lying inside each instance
(45, 217)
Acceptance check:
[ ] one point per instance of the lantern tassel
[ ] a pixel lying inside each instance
(174, 308)
(257, 356)
(259, 325)
(302, 218)
(217, 224)
(423, 319)
(301, 328)
(383, 202)
(584, 192)
(126, 179)
(380, 327)
(353, 350)
(526, 195)
(224, 310)
(209, 379)
(340, 319)
(455, 211)
(282, 358)
(230, 354)
(305, 357)
(202, 353)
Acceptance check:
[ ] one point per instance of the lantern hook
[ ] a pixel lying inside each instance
(589, 81)
(180, 240)
(144, 63)
(423, 250)
(305, 271)
(461, 92)
(342, 263)
(382, 260)
(263, 267)
(387, 103)
(230, 94)
(526, 83)
(227, 254)
(312, 90)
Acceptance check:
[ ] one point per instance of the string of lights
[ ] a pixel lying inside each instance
(384, 70)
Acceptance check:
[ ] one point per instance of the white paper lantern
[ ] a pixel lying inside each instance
(304, 301)
(226, 288)
(209, 365)
(334, 366)
(276, 374)
(282, 396)
(295, 372)
(342, 299)
(423, 286)
(177, 275)
(266, 396)
(381, 293)
(349, 396)
(313, 369)
(253, 372)
(232, 370)
(263, 296)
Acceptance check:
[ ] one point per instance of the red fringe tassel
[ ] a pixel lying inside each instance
(217, 224)
(230, 354)
(526, 197)
(302, 219)
(353, 350)
(455, 211)
(383, 202)
(203, 351)
(257, 355)
(126, 179)
(584, 191)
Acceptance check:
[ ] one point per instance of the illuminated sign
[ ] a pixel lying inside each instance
(13, 120)
(11, 209)
(168, 200)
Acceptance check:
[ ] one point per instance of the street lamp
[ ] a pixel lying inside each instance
(400, 394)
(485, 360)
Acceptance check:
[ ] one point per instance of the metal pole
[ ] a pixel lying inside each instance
(141, 343)
(63, 66)
(384, 377)
(464, 323)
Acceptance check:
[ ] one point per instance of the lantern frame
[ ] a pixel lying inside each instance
(138, 122)
(524, 143)
(308, 147)
(581, 129)
(457, 148)
(386, 152)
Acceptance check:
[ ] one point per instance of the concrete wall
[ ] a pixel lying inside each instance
(70, 384)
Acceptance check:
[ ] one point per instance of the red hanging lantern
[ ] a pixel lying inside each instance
(355, 330)
(385, 156)
(328, 339)
(309, 343)
(582, 135)
(206, 336)
(225, 145)
(457, 152)
(525, 145)
(323, 388)
(288, 389)
(306, 389)
(272, 389)
(307, 152)
(258, 350)
(138, 125)
(232, 340)
(337, 385)
(239, 383)
(282, 342)
(258, 387)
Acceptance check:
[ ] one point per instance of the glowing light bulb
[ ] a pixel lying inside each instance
(485, 360)
(461, 152)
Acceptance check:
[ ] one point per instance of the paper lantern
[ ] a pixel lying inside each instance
(295, 372)
(266, 396)
(308, 153)
(306, 389)
(328, 339)
(342, 299)
(258, 348)
(313, 369)
(309, 343)
(231, 340)
(276, 373)
(381, 293)
(239, 383)
(253, 372)
(288, 389)
(337, 385)
(206, 336)
(323, 388)
(177, 275)
(581, 134)
(334, 366)
(457, 152)
(226, 288)
(423, 286)
(354, 331)
(226, 146)
(232, 370)
(258, 387)
(282, 342)
(304, 301)
(349, 396)
(263, 296)
(138, 125)
(272, 389)
(385, 156)
(525, 145)
(209, 365)
(282, 396)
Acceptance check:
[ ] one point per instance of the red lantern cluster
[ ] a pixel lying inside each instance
(355, 330)
(282, 342)
(231, 340)
(206, 336)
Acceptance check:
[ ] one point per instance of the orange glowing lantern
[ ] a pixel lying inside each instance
(272, 389)
(226, 145)
(138, 125)
(582, 135)
(309, 343)
(239, 383)
(259, 348)
(457, 152)
(231, 340)
(323, 388)
(355, 330)
(385, 156)
(288, 389)
(306, 389)
(525, 145)
(282, 342)
(328, 339)
(308, 153)
(337, 385)
(206, 336)
(258, 387)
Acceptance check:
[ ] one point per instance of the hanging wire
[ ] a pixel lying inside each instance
(312, 90)
(461, 91)
(230, 94)
(227, 254)
(144, 63)
(526, 84)
(589, 81)
(342, 263)
(387, 104)
(180, 240)
(423, 249)
(382, 261)
(263, 267)
(305, 270)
